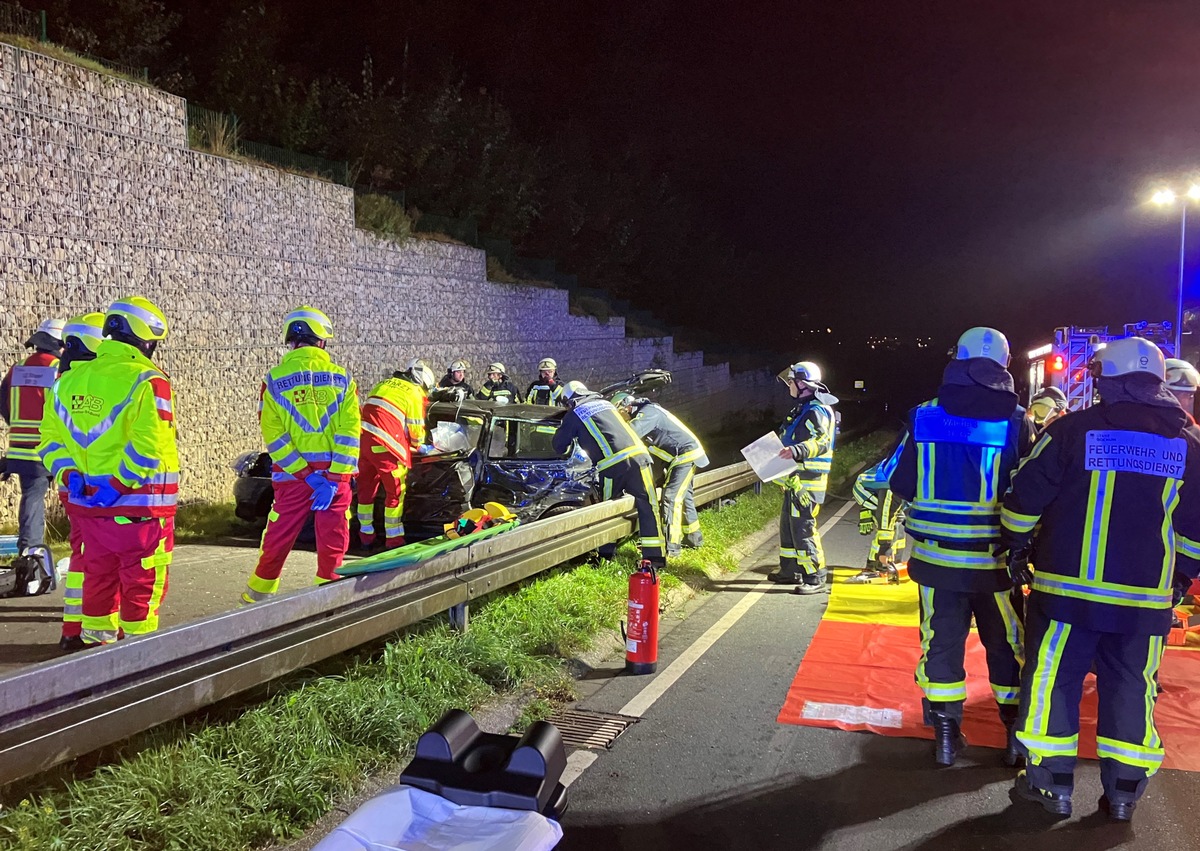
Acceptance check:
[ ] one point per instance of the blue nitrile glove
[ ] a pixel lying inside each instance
(323, 491)
(425, 448)
(105, 496)
(75, 483)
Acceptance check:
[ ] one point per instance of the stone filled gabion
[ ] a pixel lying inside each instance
(100, 197)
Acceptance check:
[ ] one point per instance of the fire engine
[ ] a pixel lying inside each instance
(1063, 363)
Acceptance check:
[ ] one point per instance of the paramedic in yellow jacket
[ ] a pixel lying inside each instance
(309, 418)
(108, 437)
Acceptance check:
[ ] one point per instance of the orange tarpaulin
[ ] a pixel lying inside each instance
(858, 675)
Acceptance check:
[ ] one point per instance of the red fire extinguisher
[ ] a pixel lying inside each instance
(641, 632)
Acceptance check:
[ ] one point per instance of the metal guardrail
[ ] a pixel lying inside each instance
(56, 711)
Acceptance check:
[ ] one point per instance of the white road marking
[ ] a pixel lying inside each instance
(659, 685)
(577, 763)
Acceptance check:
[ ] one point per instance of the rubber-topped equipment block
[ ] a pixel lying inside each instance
(463, 764)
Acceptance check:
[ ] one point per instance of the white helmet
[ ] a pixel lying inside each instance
(1181, 376)
(457, 365)
(574, 388)
(422, 374)
(497, 367)
(53, 327)
(983, 342)
(1127, 356)
(547, 363)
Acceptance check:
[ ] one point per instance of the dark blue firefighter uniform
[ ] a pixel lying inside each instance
(954, 466)
(669, 440)
(1114, 489)
(810, 430)
(620, 458)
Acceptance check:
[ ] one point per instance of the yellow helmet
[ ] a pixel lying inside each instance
(307, 321)
(88, 329)
(136, 317)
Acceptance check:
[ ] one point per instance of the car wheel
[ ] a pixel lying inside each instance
(559, 509)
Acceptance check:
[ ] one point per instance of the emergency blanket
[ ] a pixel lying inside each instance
(858, 675)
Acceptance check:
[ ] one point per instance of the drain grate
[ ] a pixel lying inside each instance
(585, 728)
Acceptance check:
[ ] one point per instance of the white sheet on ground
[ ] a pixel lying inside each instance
(408, 819)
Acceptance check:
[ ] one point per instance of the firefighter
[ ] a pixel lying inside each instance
(955, 460)
(109, 438)
(393, 427)
(1113, 487)
(880, 514)
(22, 399)
(549, 387)
(1049, 404)
(808, 438)
(456, 378)
(621, 460)
(669, 440)
(81, 340)
(309, 418)
(1182, 381)
(498, 388)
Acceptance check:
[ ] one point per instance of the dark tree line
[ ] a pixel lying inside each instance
(388, 87)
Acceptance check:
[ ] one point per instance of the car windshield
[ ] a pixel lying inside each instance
(471, 423)
(524, 440)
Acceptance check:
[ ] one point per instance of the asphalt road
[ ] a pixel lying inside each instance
(203, 580)
(708, 767)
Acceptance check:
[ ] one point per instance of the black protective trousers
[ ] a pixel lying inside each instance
(1060, 656)
(946, 623)
(636, 479)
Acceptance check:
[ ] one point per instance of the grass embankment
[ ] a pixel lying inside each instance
(240, 778)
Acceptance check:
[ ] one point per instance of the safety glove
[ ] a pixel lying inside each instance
(323, 491)
(105, 494)
(75, 485)
(866, 523)
(1018, 566)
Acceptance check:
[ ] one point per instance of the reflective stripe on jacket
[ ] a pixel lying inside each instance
(810, 425)
(24, 390)
(393, 419)
(1114, 488)
(602, 433)
(667, 437)
(546, 394)
(114, 417)
(309, 417)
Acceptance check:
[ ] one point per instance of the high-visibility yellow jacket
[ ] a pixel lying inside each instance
(22, 398)
(115, 417)
(308, 415)
(393, 419)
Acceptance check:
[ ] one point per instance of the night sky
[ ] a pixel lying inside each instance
(911, 167)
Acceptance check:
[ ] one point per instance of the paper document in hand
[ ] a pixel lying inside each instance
(763, 455)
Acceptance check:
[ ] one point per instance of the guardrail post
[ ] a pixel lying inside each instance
(460, 616)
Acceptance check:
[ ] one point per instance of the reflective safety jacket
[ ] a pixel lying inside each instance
(308, 416)
(393, 419)
(666, 436)
(503, 390)
(810, 428)
(115, 417)
(602, 433)
(953, 469)
(540, 393)
(22, 400)
(881, 508)
(1116, 489)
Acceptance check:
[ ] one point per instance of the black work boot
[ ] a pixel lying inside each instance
(1012, 751)
(1117, 810)
(1052, 802)
(785, 578)
(948, 740)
